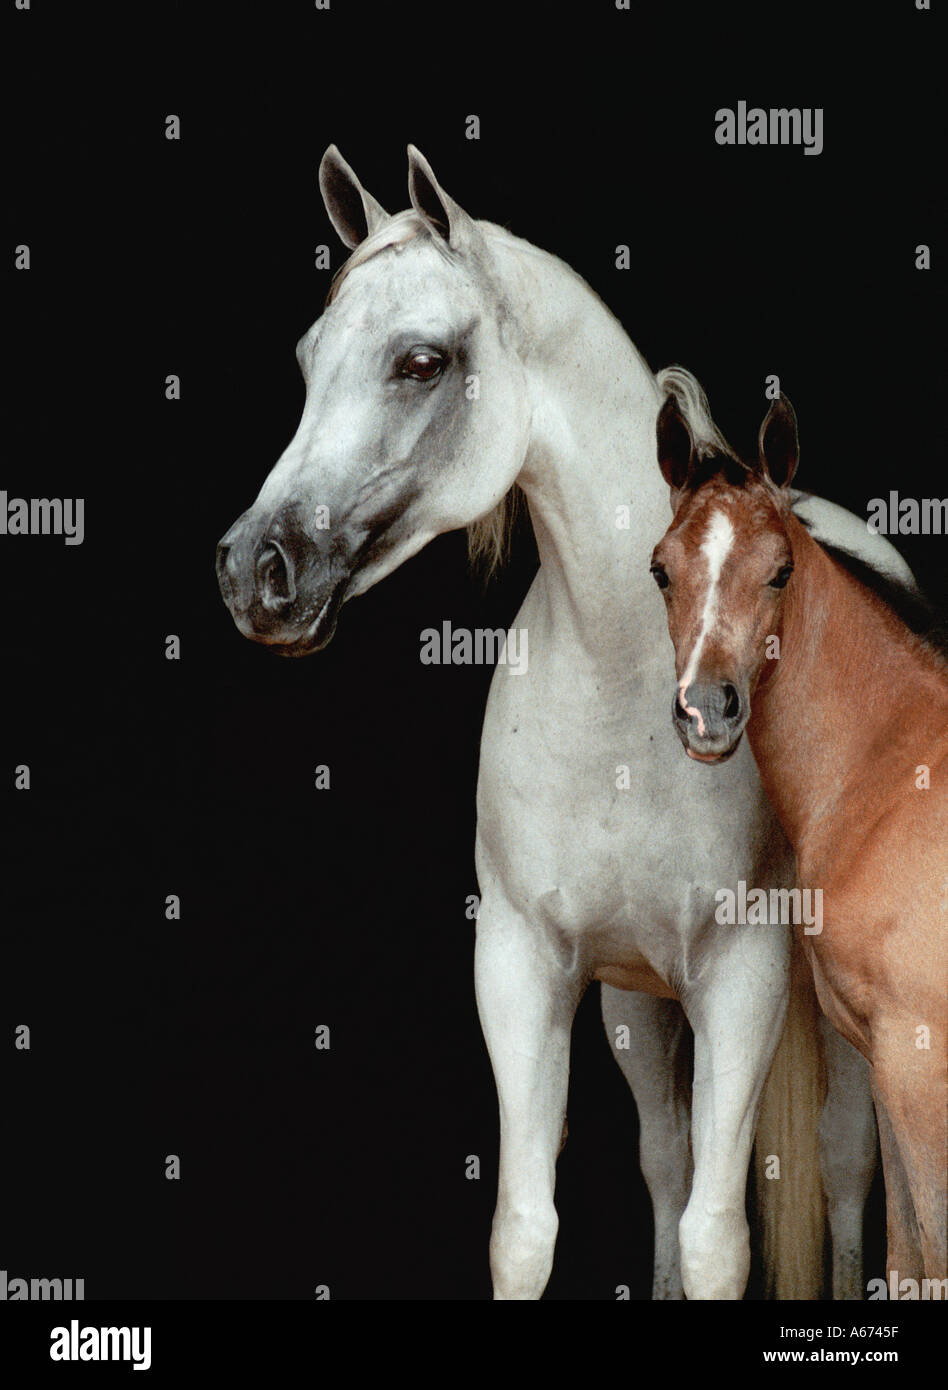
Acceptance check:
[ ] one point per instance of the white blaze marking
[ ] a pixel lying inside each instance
(715, 548)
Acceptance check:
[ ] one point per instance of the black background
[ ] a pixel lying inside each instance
(149, 777)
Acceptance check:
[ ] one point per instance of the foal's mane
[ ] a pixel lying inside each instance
(914, 610)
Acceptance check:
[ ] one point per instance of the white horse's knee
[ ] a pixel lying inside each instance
(715, 1253)
(521, 1250)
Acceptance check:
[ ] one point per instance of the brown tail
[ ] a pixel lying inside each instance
(791, 1206)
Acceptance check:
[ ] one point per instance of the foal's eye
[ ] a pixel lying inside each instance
(422, 364)
(660, 577)
(780, 578)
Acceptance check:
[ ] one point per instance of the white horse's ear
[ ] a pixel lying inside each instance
(676, 448)
(442, 214)
(352, 210)
(778, 443)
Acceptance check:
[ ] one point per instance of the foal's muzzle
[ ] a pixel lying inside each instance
(709, 718)
(282, 586)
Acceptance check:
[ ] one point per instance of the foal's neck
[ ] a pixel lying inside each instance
(852, 706)
(591, 452)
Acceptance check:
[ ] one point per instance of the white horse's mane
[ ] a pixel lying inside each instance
(488, 538)
(693, 403)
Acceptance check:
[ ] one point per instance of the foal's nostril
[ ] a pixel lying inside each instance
(732, 702)
(274, 576)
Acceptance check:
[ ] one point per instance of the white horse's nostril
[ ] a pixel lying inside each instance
(274, 571)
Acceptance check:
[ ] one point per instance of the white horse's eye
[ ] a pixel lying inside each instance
(422, 364)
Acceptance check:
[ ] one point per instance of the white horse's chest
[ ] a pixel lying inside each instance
(597, 825)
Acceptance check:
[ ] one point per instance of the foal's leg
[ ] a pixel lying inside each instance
(656, 1065)
(911, 1085)
(526, 999)
(847, 1156)
(737, 1012)
(903, 1254)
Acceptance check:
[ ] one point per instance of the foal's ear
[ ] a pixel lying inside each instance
(676, 449)
(442, 214)
(778, 445)
(353, 211)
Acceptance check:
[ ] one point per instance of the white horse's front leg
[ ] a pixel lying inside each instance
(847, 1156)
(737, 1013)
(526, 1001)
(657, 1066)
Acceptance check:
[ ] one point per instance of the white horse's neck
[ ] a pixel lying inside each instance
(591, 453)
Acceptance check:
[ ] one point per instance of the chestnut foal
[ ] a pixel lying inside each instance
(846, 709)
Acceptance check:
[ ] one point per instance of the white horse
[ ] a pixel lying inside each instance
(454, 361)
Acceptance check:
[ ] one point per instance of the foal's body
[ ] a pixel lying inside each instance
(849, 727)
(844, 781)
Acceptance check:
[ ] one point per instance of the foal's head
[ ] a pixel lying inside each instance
(723, 567)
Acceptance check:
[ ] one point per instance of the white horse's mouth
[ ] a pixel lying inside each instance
(316, 635)
(320, 631)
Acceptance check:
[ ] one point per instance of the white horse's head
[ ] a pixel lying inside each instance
(416, 418)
